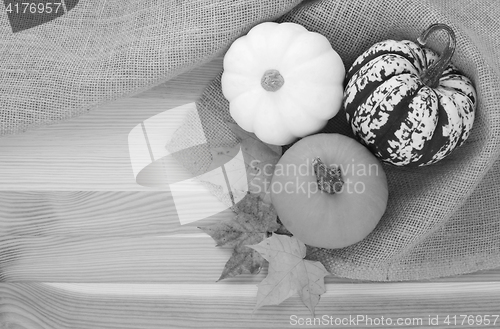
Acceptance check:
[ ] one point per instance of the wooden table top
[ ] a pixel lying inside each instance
(82, 245)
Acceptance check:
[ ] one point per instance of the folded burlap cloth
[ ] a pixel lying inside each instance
(441, 220)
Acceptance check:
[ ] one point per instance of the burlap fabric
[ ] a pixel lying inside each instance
(441, 220)
(102, 50)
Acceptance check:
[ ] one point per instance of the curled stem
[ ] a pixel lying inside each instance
(433, 73)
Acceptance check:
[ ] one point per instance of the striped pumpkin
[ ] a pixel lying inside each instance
(408, 105)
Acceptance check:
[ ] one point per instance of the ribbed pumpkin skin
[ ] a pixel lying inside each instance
(400, 119)
(312, 92)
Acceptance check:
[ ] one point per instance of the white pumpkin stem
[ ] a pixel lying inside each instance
(329, 178)
(272, 80)
(433, 73)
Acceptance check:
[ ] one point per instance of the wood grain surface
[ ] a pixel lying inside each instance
(82, 245)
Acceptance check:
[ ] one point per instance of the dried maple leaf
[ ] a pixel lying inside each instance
(289, 273)
(253, 204)
(242, 230)
(255, 215)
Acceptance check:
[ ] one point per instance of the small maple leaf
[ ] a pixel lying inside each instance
(289, 273)
(253, 204)
(245, 228)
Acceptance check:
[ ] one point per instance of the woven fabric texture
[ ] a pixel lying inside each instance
(442, 219)
(102, 50)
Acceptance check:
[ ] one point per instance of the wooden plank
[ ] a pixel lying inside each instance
(86, 213)
(92, 213)
(187, 86)
(58, 306)
(179, 258)
(90, 153)
(100, 225)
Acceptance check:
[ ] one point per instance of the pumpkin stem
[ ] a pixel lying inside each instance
(329, 178)
(433, 73)
(272, 80)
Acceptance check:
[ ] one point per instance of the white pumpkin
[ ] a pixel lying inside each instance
(282, 82)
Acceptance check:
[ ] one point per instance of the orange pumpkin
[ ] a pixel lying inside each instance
(329, 191)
